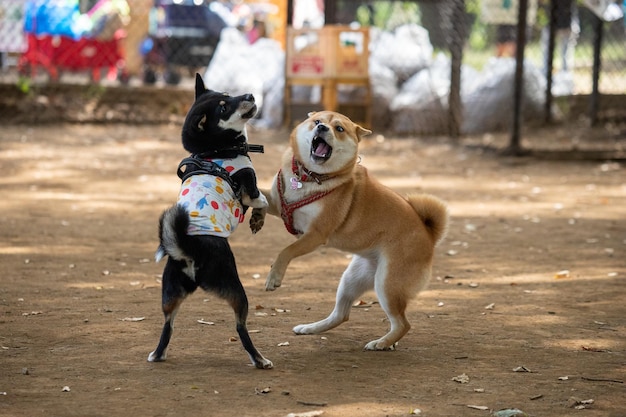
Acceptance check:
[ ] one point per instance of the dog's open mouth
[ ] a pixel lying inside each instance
(250, 113)
(320, 150)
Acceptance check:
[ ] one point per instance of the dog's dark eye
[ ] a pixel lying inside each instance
(317, 122)
(339, 128)
(223, 109)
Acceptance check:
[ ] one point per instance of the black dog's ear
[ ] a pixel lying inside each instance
(201, 123)
(200, 88)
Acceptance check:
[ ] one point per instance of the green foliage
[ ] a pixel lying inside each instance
(23, 84)
(389, 15)
(472, 7)
(479, 36)
(94, 91)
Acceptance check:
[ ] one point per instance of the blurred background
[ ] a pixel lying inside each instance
(407, 67)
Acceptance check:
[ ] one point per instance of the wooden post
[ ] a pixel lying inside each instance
(594, 104)
(514, 145)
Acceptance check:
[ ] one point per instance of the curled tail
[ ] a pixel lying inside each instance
(434, 214)
(172, 231)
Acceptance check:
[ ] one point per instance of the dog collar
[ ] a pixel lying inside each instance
(302, 174)
(287, 209)
(232, 151)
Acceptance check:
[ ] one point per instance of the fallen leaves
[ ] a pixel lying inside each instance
(313, 413)
(363, 304)
(579, 404)
(461, 379)
(478, 407)
(133, 319)
(312, 403)
(510, 412)
(562, 274)
(274, 311)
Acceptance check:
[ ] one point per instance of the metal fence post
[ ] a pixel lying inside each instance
(598, 28)
(457, 38)
(514, 146)
(549, 64)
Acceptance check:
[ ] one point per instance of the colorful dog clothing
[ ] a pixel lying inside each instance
(213, 206)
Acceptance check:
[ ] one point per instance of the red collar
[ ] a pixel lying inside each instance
(301, 173)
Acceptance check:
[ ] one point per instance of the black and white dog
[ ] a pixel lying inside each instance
(218, 185)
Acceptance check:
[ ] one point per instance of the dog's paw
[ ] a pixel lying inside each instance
(257, 220)
(152, 357)
(379, 344)
(264, 364)
(304, 329)
(259, 202)
(272, 282)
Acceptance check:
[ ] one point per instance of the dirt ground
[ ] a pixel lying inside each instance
(498, 327)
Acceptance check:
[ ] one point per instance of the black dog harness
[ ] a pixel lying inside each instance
(233, 151)
(200, 164)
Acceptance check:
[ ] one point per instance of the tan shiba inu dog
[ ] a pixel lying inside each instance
(326, 198)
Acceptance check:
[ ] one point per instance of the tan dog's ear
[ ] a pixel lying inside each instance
(311, 113)
(361, 131)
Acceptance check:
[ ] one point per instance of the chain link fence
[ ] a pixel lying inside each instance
(109, 60)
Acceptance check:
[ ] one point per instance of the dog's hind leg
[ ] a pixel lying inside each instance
(239, 303)
(174, 293)
(356, 279)
(221, 277)
(394, 290)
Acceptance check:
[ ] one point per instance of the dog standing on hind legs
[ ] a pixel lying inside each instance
(325, 197)
(218, 185)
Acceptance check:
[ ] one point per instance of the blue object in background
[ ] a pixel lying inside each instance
(52, 17)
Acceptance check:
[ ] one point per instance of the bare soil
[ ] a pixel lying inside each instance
(80, 292)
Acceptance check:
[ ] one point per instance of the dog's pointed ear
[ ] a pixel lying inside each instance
(200, 88)
(361, 131)
(201, 123)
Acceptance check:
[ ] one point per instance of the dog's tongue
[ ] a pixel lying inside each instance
(322, 149)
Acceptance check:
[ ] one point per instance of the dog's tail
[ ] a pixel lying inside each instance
(173, 226)
(434, 214)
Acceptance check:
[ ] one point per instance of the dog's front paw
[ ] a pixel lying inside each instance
(273, 281)
(379, 344)
(257, 220)
(259, 202)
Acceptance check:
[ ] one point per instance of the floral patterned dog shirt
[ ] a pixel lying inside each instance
(213, 207)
